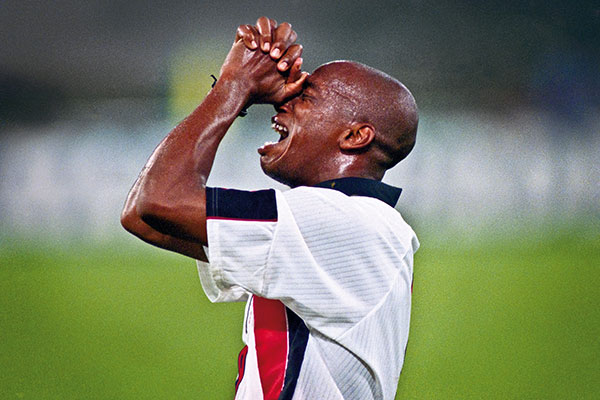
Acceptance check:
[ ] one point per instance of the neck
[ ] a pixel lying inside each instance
(340, 168)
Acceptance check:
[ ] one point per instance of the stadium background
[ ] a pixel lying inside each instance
(502, 188)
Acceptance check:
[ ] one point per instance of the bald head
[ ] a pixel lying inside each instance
(366, 95)
(349, 121)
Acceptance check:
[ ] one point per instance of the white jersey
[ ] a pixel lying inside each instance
(327, 277)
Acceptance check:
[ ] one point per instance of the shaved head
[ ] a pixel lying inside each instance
(349, 120)
(367, 95)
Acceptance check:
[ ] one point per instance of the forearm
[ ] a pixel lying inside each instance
(188, 151)
(171, 186)
(183, 160)
(167, 204)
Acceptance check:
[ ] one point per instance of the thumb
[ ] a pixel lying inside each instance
(294, 88)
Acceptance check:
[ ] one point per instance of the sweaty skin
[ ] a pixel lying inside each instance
(344, 120)
(349, 121)
(166, 205)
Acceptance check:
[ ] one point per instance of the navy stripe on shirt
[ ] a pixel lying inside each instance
(297, 341)
(244, 205)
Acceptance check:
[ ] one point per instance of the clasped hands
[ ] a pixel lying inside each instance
(266, 62)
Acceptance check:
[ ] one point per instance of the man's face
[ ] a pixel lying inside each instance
(309, 126)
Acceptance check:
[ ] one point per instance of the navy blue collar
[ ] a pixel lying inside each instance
(364, 187)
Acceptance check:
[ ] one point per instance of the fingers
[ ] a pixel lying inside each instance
(283, 37)
(289, 58)
(295, 70)
(279, 43)
(295, 81)
(294, 88)
(265, 27)
(249, 35)
(271, 39)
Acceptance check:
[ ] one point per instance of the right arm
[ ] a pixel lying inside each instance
(167, 204)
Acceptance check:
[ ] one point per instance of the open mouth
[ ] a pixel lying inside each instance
(282, 130)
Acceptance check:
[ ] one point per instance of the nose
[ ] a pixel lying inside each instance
(283, 107)
(287, 106)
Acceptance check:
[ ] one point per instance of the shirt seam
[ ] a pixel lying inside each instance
(376, 307)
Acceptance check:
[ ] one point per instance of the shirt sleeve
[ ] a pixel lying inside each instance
(240, 226)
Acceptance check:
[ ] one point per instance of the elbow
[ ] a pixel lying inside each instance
(130, 220)
(138, 219)
(157, 215)
(133, 214)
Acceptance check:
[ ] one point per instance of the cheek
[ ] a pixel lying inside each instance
(309, 156)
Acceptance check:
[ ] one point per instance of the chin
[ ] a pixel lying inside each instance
(273, 172)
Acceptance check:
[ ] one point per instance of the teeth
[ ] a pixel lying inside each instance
(282, 130)
(268, 143)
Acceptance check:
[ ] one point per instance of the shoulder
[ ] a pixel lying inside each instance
(325, 202)
(327, 211)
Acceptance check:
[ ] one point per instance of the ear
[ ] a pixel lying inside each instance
(357, 137)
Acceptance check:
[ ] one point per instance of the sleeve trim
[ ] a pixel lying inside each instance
(240, 205)
(242, 219)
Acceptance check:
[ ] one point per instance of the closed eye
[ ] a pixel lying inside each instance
(305, 96)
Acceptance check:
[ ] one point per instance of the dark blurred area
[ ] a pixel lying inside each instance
(28, 100)
(491, 55)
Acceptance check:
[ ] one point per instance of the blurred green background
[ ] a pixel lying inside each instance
(502, 190)
(509, 318)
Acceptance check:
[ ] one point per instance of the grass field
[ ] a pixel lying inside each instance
(510, 318)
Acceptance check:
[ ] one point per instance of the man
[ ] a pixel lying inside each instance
(326, 267)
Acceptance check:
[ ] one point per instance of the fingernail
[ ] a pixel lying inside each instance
(283, 65)
(253, 44)
(266, 46)
(276, 53)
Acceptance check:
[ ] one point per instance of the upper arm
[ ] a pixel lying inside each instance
(151, 224)
(136, 226)
(186, 222)
(180, 214)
